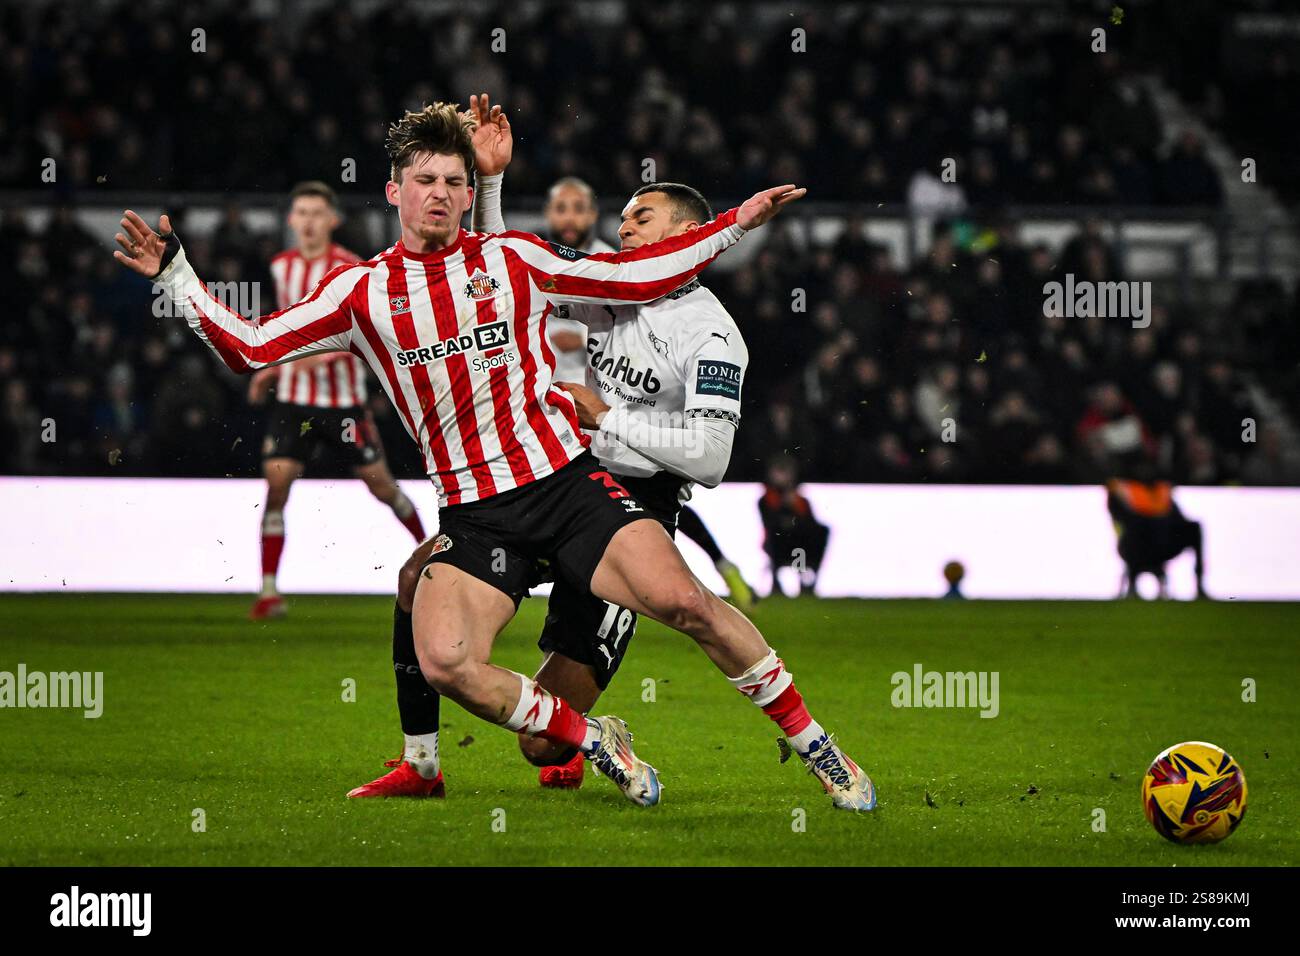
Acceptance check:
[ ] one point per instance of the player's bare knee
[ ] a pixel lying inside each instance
(446, 679)
(685, 605)
(444, 666)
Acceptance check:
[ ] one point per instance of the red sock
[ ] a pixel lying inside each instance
(272, 546)
(412, 523)
(788, 712)
(566, 726)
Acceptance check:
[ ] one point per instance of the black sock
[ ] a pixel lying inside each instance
(690, 524)
(417, 702)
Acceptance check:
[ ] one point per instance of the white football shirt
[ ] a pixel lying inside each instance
(664, 362)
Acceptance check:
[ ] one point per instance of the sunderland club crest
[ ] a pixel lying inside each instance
(481, 286)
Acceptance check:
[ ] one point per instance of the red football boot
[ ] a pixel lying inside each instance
(402, 781)
(270, 606)
(565, 776)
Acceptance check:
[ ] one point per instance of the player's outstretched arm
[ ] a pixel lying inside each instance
(650, 271)
(322, 322)
(493, 149)
(763, 206)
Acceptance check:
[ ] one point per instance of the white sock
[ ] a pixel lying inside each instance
(804, 740)
(765, 681)
(421, 752)
(534, 710)
(592, 739)
(268, 586)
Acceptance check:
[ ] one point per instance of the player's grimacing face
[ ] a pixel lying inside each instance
(649, 218)
(570, 215)
(431, 198)
(312, 219)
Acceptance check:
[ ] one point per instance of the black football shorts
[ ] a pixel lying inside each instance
(305, 433)
(586, 629)
(566, 519)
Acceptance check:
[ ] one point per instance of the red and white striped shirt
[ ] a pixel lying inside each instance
(457, 337)
(339, 382)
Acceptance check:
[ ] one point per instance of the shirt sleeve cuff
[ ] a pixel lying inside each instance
(615, 422)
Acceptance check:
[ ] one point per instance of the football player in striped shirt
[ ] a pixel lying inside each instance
(664, 406)
(452, 322)
(320, 405)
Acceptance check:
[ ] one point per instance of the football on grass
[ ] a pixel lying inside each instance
(1194, 793)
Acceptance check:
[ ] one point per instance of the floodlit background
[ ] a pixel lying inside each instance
(894, 299)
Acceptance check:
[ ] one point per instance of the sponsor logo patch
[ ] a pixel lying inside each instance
(718, 378)
(399, 304)
(607, 366)
(479, 338)
(491, 335)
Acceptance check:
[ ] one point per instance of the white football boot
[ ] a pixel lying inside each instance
(850, 788)
(614, 758)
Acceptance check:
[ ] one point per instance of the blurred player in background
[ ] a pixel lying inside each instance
(320, 400)
(670, 425)
(792, 537)
(692, 525)
(1150, 528)
(571, 217)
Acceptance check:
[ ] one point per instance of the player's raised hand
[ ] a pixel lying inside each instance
(493, 142)
(762, 206)
(145, 248)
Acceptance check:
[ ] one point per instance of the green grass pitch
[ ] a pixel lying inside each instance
(204, 710)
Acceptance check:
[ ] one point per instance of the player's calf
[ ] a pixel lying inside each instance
(541, 752)
(456, 617)
(416, 773)
(646, 572)
(578, 682)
